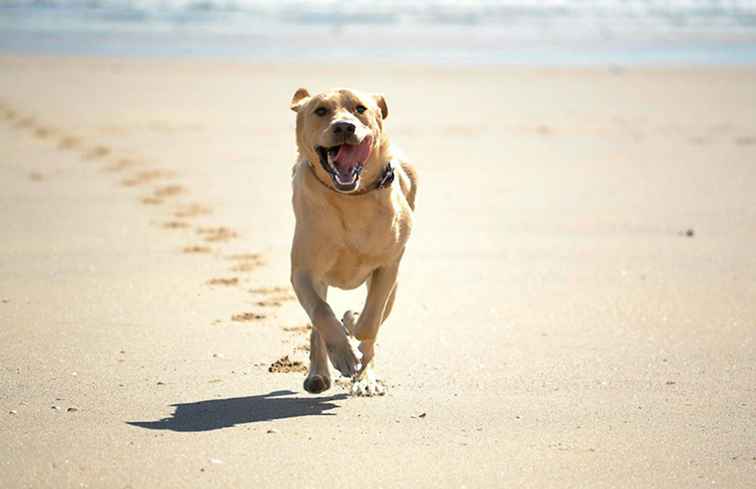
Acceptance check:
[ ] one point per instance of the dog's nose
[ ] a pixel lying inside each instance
(343, 126)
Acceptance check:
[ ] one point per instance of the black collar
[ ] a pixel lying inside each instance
(383, 181)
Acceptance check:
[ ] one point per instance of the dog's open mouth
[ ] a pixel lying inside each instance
(345, 162)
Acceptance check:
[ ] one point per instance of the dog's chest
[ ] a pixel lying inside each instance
(365, 239)
(372, 229)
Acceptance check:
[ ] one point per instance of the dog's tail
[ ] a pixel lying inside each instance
(412, 174)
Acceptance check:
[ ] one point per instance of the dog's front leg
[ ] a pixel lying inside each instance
(380, 289)
(323, 320)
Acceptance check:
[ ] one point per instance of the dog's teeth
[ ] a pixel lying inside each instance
(351, 180)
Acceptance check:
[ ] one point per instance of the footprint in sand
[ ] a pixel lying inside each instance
(745, 140)
(284, 297)
(214, 234)
(247, 267)
(160, 194)
(69, 142)
(305, 328)
(244, 257)
(36, 177)
(146, 177)
(168, 191)
(191, 210)
(121, 164)
(246, 262)
(151, 200)
(97, 152)
(25, 122)
(196, 249)
(244, 317)
(266, 290)
(43, 132)
(276, 300)
(228, 282)
(9, 114)
(175, 225)
(284, 365)
(275, 294)
(302, 331)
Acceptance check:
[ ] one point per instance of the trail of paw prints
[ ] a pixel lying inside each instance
(273, 296)
(266, 300)
(137, 173)
(294, 362)
(245, 262)
(29, 124)
(162, 186)
(301, 335)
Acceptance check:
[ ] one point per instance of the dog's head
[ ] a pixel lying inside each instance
(343, 130)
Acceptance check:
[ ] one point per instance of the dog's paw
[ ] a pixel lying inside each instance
(315, 384)
(343, 358)
(368, 385)
(349, 321)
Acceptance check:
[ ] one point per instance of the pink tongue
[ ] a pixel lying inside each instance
(350, 155)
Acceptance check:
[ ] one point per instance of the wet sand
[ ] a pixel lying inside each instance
(576, 307)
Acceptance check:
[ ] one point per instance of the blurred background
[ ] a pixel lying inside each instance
(549, 32)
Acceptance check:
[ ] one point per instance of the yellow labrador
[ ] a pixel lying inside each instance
(354, 198)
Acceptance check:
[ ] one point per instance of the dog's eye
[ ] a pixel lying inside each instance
(321, 111)
(360, 109)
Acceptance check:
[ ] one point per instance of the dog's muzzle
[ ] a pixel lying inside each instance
(345, 162)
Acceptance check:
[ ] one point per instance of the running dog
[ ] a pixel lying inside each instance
(354, 200)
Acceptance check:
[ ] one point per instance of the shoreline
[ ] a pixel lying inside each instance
(385, 49)
(406, 67)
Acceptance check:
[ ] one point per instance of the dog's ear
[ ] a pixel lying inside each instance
(300, 98)
(381, 101)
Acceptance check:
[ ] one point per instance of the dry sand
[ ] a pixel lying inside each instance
(577, 307)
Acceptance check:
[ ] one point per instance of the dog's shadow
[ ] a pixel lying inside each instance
(216, 414)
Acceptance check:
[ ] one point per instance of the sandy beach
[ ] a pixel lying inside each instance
(577, 305)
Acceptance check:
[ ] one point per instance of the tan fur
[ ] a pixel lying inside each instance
(346, 240)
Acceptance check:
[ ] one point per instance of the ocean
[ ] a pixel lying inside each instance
(514, 32)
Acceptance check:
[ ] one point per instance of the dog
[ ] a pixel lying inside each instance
(354, 201)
